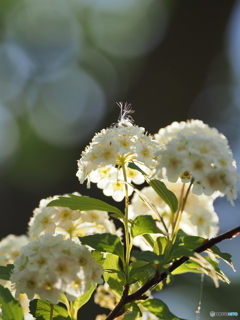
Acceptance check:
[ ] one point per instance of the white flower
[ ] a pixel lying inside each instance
(111, 180)
(58, 266)
(114, 148)
(69, 223)
(193, 150)
(10, 247)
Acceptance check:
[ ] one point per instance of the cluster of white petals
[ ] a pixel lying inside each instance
(193, 150)
(99, 162)
(70, 223)
(10, 247)
(198, 217)
(52, 265)
(110, 180)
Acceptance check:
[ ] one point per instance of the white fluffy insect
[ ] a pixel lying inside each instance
(124, 119)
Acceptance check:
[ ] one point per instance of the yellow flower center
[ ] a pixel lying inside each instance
(131, 173)
(45, 221)
(107, 154)
(174, 162)
(104, 172)
(204, 150)
(198, 165)
(145, 152)
(200, 221)
(82, 261)
(65, 214)
(41, 261)
(118, 186)
(48, 286)
(31, 284)
(61, 268)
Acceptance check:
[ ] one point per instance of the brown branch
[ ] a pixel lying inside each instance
(138, 295)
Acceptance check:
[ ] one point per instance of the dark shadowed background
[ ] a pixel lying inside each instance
(63, 66)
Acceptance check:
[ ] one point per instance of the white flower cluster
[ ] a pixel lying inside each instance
(124, 141)
(10, 247)
(193, 150)
(198, 217)
(51, 265)
(69, 223)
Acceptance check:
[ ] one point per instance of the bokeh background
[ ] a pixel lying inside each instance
(63, 66)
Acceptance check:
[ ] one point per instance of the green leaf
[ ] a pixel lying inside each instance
(160, 188)
(98, 256)
(191, 242)
(189, 266)
(116, 280)
(11, 309)
(161, 244)
(152, 207)
(159, 309)
(148, 256)
(180, 252)
(149, 239)
(104, 242)
(80, 301)
(167, 195)
(42, 310)
(144, 224)
(84, 204)
(132, 311)
(138, 270)
(224, 256)
(5, 271)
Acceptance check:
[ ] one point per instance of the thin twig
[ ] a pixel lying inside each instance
(139, 294)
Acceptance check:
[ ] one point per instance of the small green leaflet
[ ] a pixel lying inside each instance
(161, 244)
(139, 270)
(167, 195)
(191, 242)
(144, 224)
(11, 309)
(148, 256)
(79, 302)
(98, 256)
(224, 256)
(113, 274)
(42, 310)
(159, 309)
(104, 242)
(149, 239)
(5, 272)
(160, 188)
(189, 266)
(180, 252)
(84, 204)
(132, 312)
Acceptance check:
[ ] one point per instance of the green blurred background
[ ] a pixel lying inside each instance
(63, 66)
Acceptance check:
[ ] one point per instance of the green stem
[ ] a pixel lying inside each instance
(73, 311)
(176, 218)
(51, 311)
(127, 234)
(182, 204)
